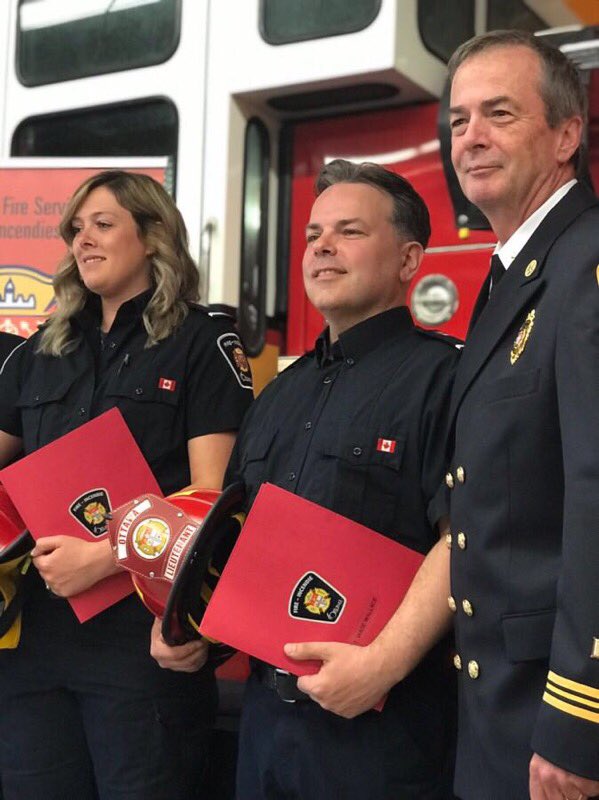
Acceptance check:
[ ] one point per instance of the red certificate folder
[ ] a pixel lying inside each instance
(67, 486)
(300, 573)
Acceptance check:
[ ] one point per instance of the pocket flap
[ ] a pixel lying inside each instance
(528, 636)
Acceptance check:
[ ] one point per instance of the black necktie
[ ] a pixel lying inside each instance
(494, 275)
(497, 270)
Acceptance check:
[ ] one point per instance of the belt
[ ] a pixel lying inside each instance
(282, 682)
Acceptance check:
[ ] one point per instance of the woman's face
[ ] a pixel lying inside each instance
(111, 256)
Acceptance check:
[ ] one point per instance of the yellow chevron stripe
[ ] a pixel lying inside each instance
(566, 683)
(577, 698)
(591, 716)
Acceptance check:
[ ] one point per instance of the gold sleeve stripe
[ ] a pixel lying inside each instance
(577, 699)
(575, 711)
(206, 593)
(566, 683)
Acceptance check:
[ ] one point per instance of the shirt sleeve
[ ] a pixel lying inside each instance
(219, 380)
(567, 727)
(11, 372)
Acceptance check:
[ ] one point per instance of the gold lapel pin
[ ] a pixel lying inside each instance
(530, 268)
(522, 338)
(595, 648)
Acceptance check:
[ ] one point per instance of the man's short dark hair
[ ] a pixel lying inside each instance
(410, 215)
(561, 89)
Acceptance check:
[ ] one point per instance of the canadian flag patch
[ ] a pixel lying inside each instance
(168, 384)
(386, 445)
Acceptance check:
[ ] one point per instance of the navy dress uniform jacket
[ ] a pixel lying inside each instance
(525, 514)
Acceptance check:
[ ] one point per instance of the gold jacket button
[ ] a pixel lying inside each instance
(452, 603)
(448, 540)
(449, 480)
(467, 606)
(462, 540)
(457, 661)
(473, 670)
(460, 474)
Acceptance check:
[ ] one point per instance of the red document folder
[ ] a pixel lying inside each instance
(300, 573)
(67, 486)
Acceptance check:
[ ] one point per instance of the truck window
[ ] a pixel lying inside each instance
(284, 21)
(58, 41)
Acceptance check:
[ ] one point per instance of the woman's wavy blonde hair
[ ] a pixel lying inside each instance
(175, 277)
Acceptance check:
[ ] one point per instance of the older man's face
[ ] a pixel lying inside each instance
(507, 158)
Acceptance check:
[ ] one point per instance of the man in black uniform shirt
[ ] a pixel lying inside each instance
(357, 425)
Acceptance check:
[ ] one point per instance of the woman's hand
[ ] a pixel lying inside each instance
(69, 565)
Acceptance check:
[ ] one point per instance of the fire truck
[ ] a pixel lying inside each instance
(244, 101)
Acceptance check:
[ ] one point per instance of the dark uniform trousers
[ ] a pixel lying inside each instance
(359, 428)
(524, 514)
(85, 712)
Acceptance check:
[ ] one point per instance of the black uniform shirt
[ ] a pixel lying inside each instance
(359, 427)
(193, 383)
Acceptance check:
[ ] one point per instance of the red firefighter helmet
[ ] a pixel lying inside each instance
(175, 549)
(15, 544)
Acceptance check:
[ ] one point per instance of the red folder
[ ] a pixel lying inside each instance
(68, 485)
(300, 573)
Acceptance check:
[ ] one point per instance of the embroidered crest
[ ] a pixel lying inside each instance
(522, 338)
(316, 600)
(232, 349)
(90, 510)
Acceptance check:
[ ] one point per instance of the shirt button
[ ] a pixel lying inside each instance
(308, 425)
(451, 603)
(291, 476)
(357, 451)
(462, 541)
(81, 411)
(473, 670)
(328, 379)
(449, 480)
(457, 661)
(448, 540)
(350, 362)
(460, 474)
(112, 345)
(36, 398)
(139, 390)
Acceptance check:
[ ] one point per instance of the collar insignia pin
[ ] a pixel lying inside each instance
(522, 338)
(530, 268)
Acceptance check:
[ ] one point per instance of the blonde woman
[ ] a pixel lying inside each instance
(86, 712)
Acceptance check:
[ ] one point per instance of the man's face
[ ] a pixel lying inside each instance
(353, 255)
(507, 158)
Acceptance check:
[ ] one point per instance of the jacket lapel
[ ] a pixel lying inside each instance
(520, 284)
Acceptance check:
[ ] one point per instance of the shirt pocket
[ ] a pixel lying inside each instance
(150, 406)
(46, 412)
(253, 462)
(367, 475)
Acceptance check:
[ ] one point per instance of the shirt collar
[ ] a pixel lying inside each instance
(129, 311)
(363, 337)
(508, 251)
